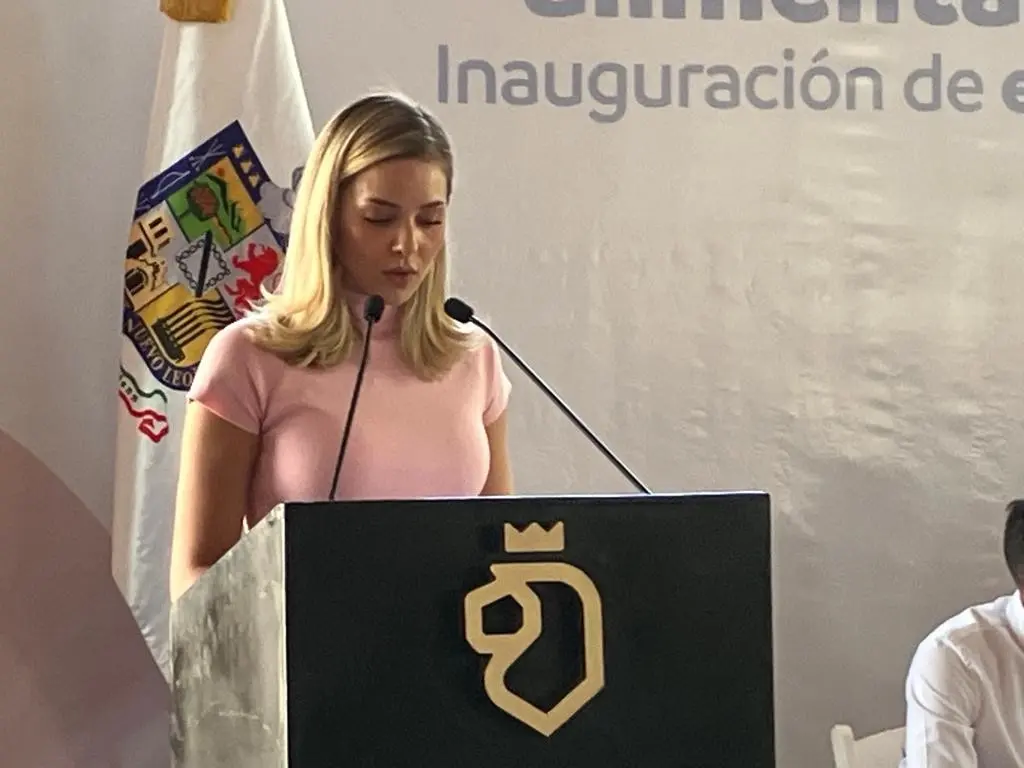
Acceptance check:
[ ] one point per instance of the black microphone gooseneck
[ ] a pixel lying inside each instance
(373, 310)
(461, 312)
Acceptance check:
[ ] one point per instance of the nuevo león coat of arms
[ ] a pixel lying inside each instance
(207, 233)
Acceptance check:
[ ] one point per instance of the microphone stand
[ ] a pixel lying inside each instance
(372, 312)
(605, 451)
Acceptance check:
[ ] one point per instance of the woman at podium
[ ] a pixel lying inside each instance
(270, 400)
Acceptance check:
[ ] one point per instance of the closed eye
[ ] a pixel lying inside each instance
(384, 221)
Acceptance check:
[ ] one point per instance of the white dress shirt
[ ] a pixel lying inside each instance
(965, 691)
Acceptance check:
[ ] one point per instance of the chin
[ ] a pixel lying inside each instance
(395, 298)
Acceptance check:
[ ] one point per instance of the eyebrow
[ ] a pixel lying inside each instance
(388, 204)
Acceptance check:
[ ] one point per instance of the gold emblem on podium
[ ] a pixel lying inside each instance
(513, 580)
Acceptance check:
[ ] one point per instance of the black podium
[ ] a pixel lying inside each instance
(512, 632)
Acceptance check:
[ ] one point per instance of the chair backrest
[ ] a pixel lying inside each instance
(879, 750)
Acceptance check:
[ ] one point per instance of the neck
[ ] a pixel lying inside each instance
(1017, 612)
(389, 322)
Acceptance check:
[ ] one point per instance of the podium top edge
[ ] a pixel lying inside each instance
(570, 498)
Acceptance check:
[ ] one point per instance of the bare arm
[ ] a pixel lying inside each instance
(213, 487)
(499, 478)
(942, 705)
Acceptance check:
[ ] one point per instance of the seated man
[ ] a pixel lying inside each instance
(965, 688)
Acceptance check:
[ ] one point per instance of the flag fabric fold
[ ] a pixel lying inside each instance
(229, 130)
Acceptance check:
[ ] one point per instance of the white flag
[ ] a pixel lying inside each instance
(229, 115)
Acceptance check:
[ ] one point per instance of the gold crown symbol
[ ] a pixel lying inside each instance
(533, 538)
(210, 11)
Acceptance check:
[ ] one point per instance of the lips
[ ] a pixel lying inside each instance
(400, 274)
(400, 277)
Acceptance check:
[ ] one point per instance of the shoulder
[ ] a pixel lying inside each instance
(964, 643)
(975, 626)
(474, 352)
(234, 346)
(481, 349)
(234, 360)
(940, 683)
(483, 358)
(235, 376)
(232, 340)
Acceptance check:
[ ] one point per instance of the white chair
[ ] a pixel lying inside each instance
(879, 750)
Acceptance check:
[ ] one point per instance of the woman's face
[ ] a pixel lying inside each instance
(393, 219)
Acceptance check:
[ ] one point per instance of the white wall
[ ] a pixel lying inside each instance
(74, 110)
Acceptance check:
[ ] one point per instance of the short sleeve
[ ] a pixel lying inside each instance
(229, 381)
(498, 385)
(942, 706)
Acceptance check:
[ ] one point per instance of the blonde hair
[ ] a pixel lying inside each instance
(305, 319)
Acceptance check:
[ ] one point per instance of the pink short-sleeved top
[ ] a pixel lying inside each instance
(410, 438)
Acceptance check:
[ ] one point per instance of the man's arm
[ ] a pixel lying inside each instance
(942, 706)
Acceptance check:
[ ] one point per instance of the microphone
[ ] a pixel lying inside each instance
(461, 312)
(373, 310)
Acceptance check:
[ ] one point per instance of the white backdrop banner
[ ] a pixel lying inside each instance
(756, 244)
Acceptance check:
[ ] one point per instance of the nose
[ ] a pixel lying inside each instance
(405, 239)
